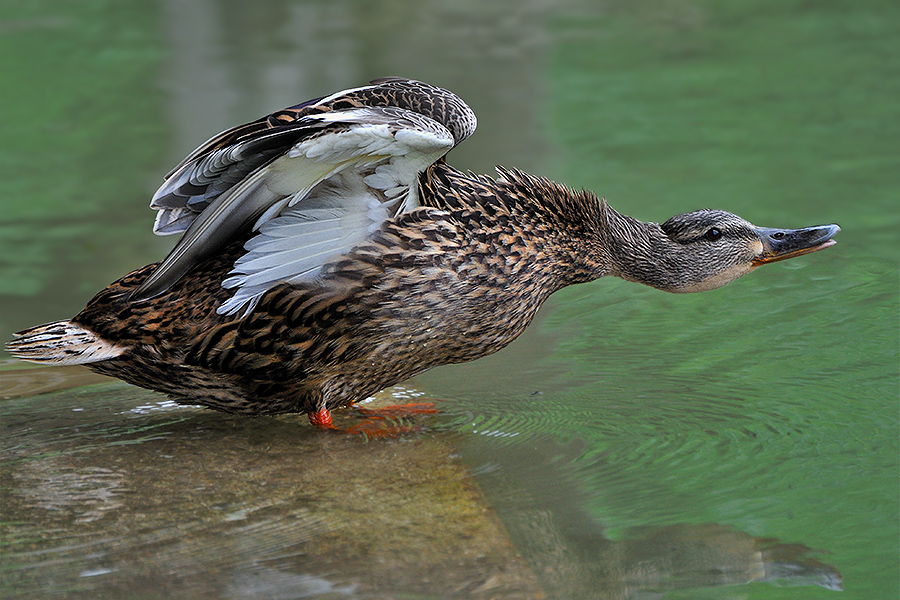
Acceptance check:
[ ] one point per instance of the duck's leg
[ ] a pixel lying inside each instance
(321, 419)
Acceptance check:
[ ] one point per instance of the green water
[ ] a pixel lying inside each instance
(625, 421)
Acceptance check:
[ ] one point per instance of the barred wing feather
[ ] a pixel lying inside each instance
(312, 190)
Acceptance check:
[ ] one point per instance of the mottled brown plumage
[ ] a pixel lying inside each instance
(449, 282)
(451, 277)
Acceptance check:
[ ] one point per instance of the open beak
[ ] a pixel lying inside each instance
(779, 244)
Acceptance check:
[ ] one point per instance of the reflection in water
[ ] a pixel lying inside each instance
(98, 501)
(271, 583)
(107, 487)
(19, 382)
(573, 557)
(87, 493)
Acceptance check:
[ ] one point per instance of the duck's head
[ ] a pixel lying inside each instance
(702, 250)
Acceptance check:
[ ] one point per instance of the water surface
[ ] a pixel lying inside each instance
(735, 444)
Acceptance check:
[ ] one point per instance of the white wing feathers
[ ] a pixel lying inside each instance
(323, 196)
(294, 246)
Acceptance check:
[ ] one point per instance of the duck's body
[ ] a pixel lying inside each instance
(442, 284)
(239, 319)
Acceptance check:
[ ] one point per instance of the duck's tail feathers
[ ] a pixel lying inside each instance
(62, 343)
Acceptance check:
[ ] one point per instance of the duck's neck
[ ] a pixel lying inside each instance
(642, 252)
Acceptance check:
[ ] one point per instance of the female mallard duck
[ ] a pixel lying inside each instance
(328, 252)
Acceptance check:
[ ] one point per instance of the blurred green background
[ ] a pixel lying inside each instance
(770, 406)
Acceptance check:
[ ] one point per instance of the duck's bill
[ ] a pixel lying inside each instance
(781, 244)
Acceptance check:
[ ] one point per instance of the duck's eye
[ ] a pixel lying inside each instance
(713, 234)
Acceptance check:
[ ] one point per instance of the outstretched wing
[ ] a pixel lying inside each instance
(314, 180)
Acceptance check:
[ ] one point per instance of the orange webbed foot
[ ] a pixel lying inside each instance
(386, 421)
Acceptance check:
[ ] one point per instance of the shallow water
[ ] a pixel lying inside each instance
(735, 444)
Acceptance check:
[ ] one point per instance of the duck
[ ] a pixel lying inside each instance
(328, 251)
